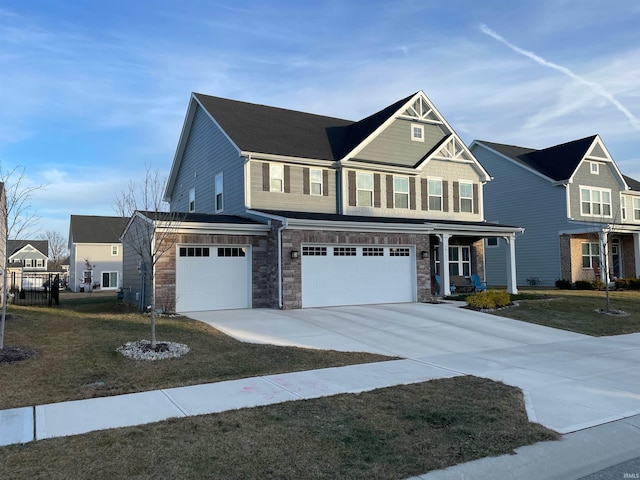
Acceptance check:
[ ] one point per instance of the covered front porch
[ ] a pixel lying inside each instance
(458, 251)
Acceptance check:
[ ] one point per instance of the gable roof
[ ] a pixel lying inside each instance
(96, 229)
(14, 246)
(557, 162)
(631, 183)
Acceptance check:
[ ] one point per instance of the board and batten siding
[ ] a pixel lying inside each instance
(519, 198)
(394, 144)
(451, 173)
(207, 153)
(606, 179)
(297, 198)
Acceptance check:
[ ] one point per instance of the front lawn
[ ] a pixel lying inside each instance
(76, 354)
(575, 310)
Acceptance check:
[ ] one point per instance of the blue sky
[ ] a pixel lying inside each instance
(93, 92)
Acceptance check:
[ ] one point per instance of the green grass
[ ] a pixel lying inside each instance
(76, 354)
(575, 310)
(389, 433)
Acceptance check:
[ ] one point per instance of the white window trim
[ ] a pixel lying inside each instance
(192, 200)
(312, 182)
(220, 192)
(460, 197)
(497, 244)
(591, 202)
(591, 255)
(116, 249)
(636, 209)
(398, 192)
(416, 127)
(272, 176)
(110, 287)
(623, 207)
(429, 194)
(359, 189)
(596, 170)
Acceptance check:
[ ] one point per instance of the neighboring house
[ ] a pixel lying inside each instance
(3, 233)
(95, 252)
(27, 263)
(575, 206)
(287, 209)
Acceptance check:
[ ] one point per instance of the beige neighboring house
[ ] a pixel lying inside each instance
(95, 252)
(27, 264)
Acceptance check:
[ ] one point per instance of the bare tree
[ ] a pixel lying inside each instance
(19, 220)
(150, 230)
(58, 247)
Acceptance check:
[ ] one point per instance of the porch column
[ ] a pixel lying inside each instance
(512, 284)
(444, 264)
(603, 240)
(636, 252)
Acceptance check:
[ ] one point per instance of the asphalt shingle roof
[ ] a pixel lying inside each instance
(633, 184)
(97, 229)
(41, 245)
(557, 162)
(279, 131)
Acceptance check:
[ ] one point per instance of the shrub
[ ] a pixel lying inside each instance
(598, 284)
(630, 283)
(489, 299)
(563, 284)
(634, 283)
(583, 285)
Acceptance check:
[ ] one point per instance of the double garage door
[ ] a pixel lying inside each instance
(213, 277)
(357, 275)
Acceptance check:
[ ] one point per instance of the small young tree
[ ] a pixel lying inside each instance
(149, 231)
(18, 221)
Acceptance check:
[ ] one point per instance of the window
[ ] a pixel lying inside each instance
(590, 255)
(39, 263)
(594, 168)
(401, 192)
(459, 260)
(315, 181)
(114, 250)
(417, 132)
(373, 252)
(314, 251)
(399, 252)
(492, 242)
(623, 207)
(595, 202)
(192, 200)
(219, 186)
(232, 252)
(109, 279)
(466, 197)
(344, 251)
(636, 208)
(86, 276)
(194, 251)
(27, 262)
(435, 194)
(364, 187)
(276, 177)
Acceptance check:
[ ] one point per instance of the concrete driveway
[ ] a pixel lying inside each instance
(570, 381)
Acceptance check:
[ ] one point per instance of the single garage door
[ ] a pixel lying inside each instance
(212, 277)
(357, 275)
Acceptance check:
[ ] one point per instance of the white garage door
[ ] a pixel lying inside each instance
(357, 275)
(212, 277)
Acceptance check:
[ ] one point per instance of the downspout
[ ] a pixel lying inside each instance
(285, 224)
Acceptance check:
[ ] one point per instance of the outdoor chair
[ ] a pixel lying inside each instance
(478, 285)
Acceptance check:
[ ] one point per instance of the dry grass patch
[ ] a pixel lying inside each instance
(575, 310)
(385, 434)
(76, 356)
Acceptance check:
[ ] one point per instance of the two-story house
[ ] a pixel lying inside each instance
(581, 215)
(288, 209)
(95, 248)
(27, 263)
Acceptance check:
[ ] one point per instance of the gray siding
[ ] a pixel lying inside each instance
(207, 153)
(518, 198)
(605, 179)
(99, 256)
(132, 280)
(296, 199)
(394, 144)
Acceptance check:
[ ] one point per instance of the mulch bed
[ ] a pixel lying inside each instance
(12, 353)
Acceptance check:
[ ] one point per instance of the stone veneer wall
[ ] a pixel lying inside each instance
(260, 272)
(292, 271)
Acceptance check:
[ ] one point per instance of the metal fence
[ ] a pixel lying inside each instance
(34, 289)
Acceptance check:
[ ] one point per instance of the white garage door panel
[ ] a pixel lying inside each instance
(214, 282)
(357, 280)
